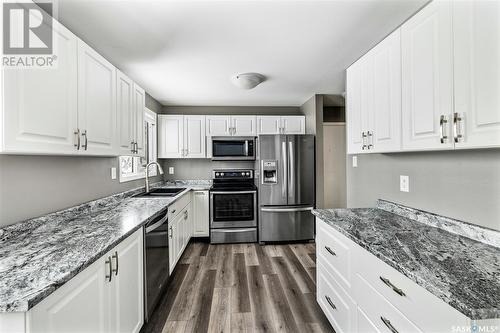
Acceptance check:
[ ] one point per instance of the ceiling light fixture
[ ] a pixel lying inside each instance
(248, 80)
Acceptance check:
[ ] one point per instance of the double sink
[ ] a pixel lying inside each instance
(161, 192)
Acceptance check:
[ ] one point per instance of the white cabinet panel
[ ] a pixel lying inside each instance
(139, 104)
(96, 102)
(194, 136)
(218, 125)
(40, 105)
(365, 325)
(268, 124)
(201, 213)
(244, 125)
(125, 113)
(476, 26)
(293, 124)
(427, 78)
(170, 136)
(353, 109)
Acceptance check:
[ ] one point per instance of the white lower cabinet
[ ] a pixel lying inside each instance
(180, 228)
(200, 214)
(360, 293)
(105, 297)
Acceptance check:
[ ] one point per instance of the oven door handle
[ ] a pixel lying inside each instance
(233, 192)
(156, 224)
(283, 210)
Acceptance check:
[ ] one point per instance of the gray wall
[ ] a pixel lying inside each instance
(460, 184)
(229, 110)
(198, 168)
(153, 104)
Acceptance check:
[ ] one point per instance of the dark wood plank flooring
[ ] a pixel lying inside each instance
(241, 288)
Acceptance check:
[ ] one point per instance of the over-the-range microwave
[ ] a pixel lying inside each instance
(233, 148)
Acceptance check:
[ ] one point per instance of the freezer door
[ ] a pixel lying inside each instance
(272, 148)
(286, 224)
(301, 169)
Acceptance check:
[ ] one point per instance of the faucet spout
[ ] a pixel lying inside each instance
(147, 172)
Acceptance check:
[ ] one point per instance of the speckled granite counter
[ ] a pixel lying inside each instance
(39, 255)
(463, 272)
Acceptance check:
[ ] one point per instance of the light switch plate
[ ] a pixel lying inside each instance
(354, 161)
(113, 173)
(404, 183)
(171, 170)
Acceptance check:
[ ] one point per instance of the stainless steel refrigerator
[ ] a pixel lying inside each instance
(286, 187)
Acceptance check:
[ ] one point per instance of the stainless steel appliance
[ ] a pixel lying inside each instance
(286, 187)
(156, 265)
(231, 148)
(233, 206)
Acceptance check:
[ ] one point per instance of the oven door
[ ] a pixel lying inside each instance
(233, 149)
(233, 209)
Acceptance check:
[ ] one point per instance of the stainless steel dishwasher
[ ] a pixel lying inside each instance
(156, 267)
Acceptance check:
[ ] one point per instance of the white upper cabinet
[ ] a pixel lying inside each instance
(281, 125)
(40, 106)
(139, 104)
(476, 33)
(194, 137)
(170, 136)
(218, 125)
(355, 134)
(96, 102)
(427, 78)
(244, 125)
(126, 113)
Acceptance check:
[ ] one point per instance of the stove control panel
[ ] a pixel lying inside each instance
(233, 174)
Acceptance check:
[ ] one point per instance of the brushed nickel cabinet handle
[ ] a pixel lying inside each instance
(110, 271)
(456, 125)
(329, 300)
(115, 256)
(388, 324)
(363, 140)
(370, 140)
(133, 147)
(388, 283)
(77, 133)
(442, 135)
(171, 232)
(84, 134)
(330, 251)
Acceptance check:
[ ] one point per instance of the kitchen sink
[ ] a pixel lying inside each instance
(162, 192)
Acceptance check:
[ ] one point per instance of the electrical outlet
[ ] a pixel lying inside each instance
(113, 173)
(404, 183)
(354, 161)
(171, 170)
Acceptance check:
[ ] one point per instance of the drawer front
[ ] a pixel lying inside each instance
(335, 303)
(336, 251)
(378, 311)
(175, 208)
(424, 309)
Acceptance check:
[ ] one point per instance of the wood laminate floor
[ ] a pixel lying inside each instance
(241, 288)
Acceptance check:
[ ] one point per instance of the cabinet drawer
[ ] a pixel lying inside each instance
(426, 310)
(335, 252)
(378, 311)
(336, 304)
(175, 208)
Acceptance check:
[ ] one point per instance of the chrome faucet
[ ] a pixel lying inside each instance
(147, 173)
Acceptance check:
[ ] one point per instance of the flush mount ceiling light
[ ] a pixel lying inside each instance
(248, 80)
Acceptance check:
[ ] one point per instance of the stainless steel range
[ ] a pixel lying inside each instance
(233, 206)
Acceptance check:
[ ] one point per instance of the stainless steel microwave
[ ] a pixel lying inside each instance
(233, 148)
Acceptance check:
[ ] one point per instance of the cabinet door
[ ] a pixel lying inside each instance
(364, 323)
(80, 305)
(427, 78)
(96, 102)
(200, 214)
(139, 103)
(268, 124)
(293, 124)
(194, 137)
(40, 105)
(127, 301)
(244, 125)
(125, 113)
(218, 125)
(170, 136)
(385, 133)
(353, 109)
(476, 29)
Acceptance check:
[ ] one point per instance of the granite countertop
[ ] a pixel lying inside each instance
(39, 255)
(462, 271)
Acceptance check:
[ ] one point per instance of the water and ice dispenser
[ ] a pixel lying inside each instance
(269, 172)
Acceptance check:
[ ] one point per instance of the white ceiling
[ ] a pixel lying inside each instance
(184, 52)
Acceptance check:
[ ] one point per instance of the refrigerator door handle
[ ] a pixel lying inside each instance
(285, 210)
(285, 170)
(291, 171)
